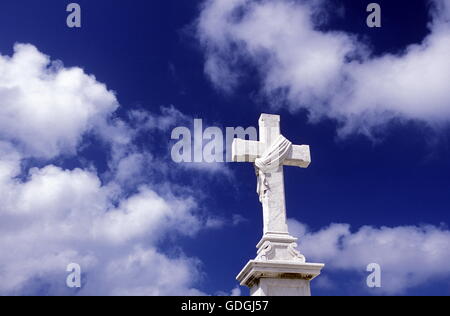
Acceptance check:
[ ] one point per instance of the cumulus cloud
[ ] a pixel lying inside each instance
(329, 73)
(58, 216)
(111, 224)
(409, 256)
(44, 107)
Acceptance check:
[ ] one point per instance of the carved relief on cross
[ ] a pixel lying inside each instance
(273, 197)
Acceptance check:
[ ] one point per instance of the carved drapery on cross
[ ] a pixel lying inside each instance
(270, 161)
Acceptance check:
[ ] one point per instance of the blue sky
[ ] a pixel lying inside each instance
(85, 166)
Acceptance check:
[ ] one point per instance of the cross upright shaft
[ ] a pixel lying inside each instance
(273, 197)
(273, 201)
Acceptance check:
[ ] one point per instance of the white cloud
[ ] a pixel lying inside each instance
(147, 272)
(331, 74)
(148, 214)
(234, 292)
(111, 225)
(58, 216)
(44, 107)
(238, 219)
(168, 119)
(409, 256)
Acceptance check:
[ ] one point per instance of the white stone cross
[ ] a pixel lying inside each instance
(272, 195)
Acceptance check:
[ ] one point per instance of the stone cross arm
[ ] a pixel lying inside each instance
(249, 151)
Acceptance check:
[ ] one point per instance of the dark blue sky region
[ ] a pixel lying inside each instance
(146, 51)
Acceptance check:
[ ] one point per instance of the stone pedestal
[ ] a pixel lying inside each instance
(279, 269)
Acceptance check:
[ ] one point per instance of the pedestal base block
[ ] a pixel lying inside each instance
(279, 269)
